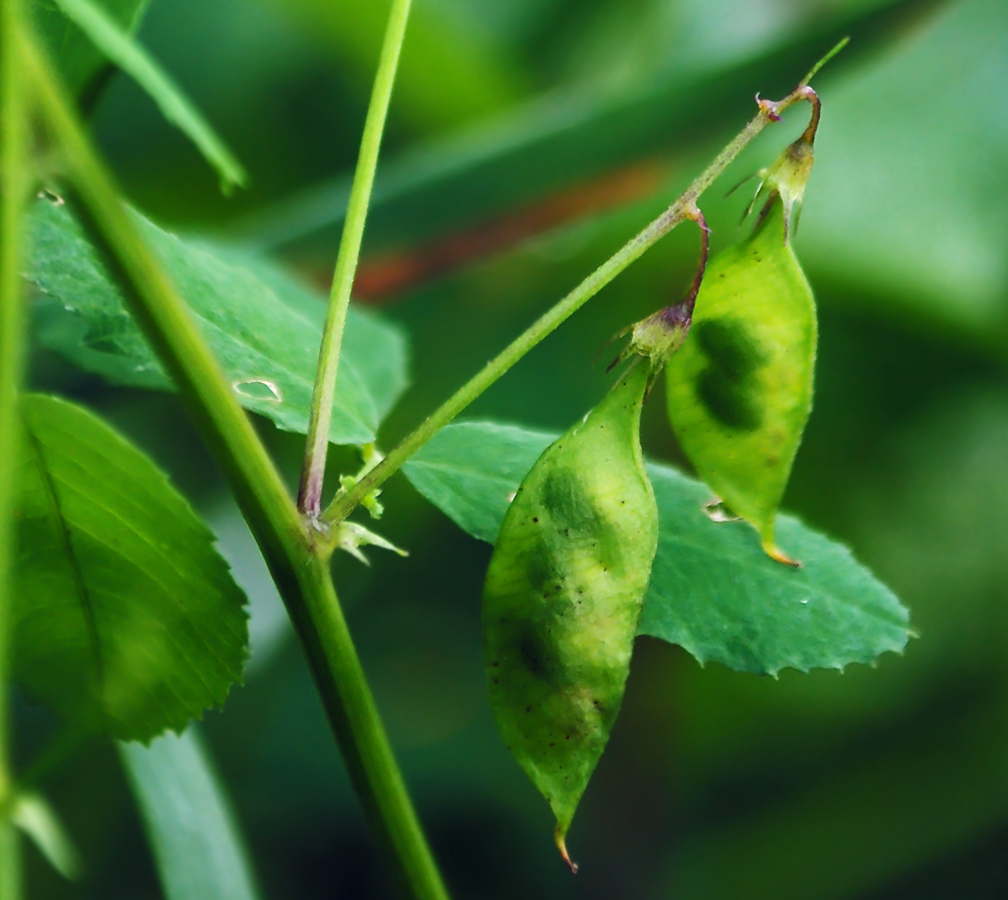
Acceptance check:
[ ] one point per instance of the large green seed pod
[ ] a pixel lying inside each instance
(563, 595)
(740, 389)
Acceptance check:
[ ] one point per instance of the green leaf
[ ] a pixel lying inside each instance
(263, 327)
(712, 589)
(70, 49)
(740, 388)
(563, 596)
(118, 45)
(198, 847)
(125, 620)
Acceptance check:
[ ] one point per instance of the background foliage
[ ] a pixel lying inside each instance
(889, 782)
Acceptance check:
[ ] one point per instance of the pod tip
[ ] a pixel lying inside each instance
(778, 555)
(562, 847)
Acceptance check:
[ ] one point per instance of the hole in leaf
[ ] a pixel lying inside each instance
(51, 196)
(716, 511)
(259, 389)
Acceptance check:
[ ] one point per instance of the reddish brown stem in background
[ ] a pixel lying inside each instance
(382, 276)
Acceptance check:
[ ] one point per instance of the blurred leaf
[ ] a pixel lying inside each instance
(712, 589)
(917, 801)
(197, 845)
(448, 70)
(70, 49)
(261, 325)
(37, 819)
(564, 138)
(118, 45)
(908, 207)
(125, 620)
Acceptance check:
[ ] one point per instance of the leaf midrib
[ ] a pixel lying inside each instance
(84, 596)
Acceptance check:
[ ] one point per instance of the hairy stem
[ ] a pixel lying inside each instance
(313, 471)
(301, 574)
(680, 211)
(15, 182)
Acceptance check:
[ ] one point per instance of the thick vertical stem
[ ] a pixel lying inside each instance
(313, 471)
(14, 182)
(301, 575)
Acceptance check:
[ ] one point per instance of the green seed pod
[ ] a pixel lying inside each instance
(563, 594)
(740, 390)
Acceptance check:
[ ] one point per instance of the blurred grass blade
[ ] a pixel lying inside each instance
(120, 47)
(36, 818)
(564, 138)
(79, 62)
(198, 848)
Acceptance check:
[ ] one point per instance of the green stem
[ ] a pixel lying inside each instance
(301, 574)
(680, 211)
(313, 471)
(15, 182)
(10, 861)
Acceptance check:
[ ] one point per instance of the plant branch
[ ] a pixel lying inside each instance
(313, 471)
(680, 211)
(301, 574)
(15, 182)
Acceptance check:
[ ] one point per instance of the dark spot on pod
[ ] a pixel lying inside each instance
(551, 744)
(535, 519)
(726, 342)
(725, 387)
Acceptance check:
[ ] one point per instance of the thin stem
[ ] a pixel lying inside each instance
(301, 575)
(14, 184)
(313, 470)
(680, 211)
(689, 302)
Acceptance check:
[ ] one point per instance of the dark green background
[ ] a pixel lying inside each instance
(887, 782)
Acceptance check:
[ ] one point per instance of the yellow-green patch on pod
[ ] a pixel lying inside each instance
(564, 593)
(740, 389)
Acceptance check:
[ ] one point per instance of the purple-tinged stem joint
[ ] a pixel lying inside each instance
(790, 172)
(661, 334)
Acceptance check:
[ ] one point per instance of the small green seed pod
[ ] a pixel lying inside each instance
(740, 390)
(563, 595)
